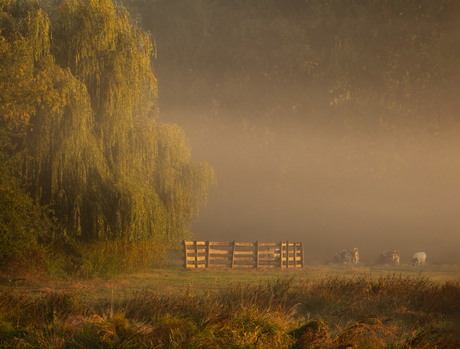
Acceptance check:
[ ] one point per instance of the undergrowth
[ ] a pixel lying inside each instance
(68, 258)
(360, 312)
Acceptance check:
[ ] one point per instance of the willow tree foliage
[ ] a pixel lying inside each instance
(22, 87)
(83, 95)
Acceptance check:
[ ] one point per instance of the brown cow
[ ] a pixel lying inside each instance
(389, 257)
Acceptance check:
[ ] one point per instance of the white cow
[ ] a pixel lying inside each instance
(419, 259)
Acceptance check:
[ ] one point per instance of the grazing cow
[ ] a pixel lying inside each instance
(341, 257)
(354, 255)
(389, 257)
(419, 259)
(345, 256)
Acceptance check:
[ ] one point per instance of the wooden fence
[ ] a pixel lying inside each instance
(206, 254)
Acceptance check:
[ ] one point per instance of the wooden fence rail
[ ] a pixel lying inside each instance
(206, 254)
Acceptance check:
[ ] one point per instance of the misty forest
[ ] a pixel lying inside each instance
(330, 122)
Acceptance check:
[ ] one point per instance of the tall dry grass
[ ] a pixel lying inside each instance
(359, 312)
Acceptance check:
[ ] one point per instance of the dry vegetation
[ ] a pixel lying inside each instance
(307, 309)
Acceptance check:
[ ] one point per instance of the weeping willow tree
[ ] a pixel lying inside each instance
(96, 153)
(24, 41)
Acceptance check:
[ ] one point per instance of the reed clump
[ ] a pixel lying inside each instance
(358, 312)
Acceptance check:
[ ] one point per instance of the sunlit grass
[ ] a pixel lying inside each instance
(173, 280)
(320, 307)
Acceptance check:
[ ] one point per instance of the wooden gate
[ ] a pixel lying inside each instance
(206, 254)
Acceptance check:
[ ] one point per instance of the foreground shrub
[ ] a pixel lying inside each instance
(67, 258)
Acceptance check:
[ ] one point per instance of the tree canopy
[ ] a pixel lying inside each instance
(79, 112)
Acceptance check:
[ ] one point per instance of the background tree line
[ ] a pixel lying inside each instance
(91, 181)
(362, 65)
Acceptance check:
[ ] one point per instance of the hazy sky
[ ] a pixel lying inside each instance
(338, 178)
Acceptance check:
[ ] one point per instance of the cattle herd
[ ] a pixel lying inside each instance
(388, 257)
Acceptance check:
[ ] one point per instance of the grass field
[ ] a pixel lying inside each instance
(313, 307)
(175, 280)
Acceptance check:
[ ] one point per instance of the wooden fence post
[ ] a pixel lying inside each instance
(185, 254)
(287, 254)
(257, 254)
(196, 253)
(208, 253)
(233, 253)
(302, 263)
(281, 254)
(295, 254)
